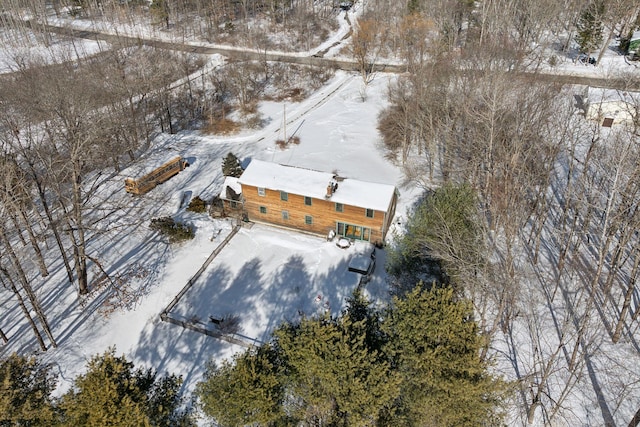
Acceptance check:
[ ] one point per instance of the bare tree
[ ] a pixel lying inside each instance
(7, 282)
(25, 283)
(15, 197)
(366, 46)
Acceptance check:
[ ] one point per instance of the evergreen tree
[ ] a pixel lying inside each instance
(160, 10)
(335, 379)
(25, 392)
(416, 364)
(113, 393)
(589, 27)
(198, 205)
(434, 344)
(249, 390)
(443, 232)
(231, 166)
(322, 370)
(365, 319)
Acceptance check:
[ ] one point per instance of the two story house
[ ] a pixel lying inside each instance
(317, 202)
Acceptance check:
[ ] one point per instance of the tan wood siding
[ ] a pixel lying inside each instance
(322, 211)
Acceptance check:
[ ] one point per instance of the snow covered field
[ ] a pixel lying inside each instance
(266, 275)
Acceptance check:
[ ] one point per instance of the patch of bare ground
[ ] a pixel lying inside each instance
(220, 125)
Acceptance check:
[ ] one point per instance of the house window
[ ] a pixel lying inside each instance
(352, 231)
(339, 207)
(284, 196)
(307, 200)
(285, 215)
(261, 192)
(369, 213)
(233, 205)
(308, 219)
(263, 209)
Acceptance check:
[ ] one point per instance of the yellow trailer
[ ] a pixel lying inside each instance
(157, 176)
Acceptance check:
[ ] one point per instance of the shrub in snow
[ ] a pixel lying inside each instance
(197, 205)
(230, 324)
(175, 231)
(221, 126)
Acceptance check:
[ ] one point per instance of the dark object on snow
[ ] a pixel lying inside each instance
(186, 198)
(175, 231)
(364, 264)
(587, 59)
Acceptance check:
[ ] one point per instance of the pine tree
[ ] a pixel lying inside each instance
(322, 370)
(114, 393)
(25, 392)
(589, 27)
(333, 375)
(444, 231)
(231, 166)
(435, 344)
(365, 319)
(247, 391)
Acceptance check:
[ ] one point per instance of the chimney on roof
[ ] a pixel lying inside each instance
(331, 188)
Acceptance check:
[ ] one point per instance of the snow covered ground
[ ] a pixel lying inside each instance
(267, 275)
(264, 275)
(16, 53)
(159, 32)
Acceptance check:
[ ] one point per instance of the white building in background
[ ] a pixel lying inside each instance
(611, 107)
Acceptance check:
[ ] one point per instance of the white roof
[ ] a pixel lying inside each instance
(230, 181)
(307, 182)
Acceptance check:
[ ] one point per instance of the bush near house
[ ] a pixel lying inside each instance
(197, 205)
(174, 230)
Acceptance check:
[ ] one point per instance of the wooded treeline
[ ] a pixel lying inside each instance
(518, 30)
(62, 127)
(558, 216)
(285, 25)
(416, 363)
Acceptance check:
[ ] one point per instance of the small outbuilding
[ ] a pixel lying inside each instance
(231, 196)
(611, 107)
